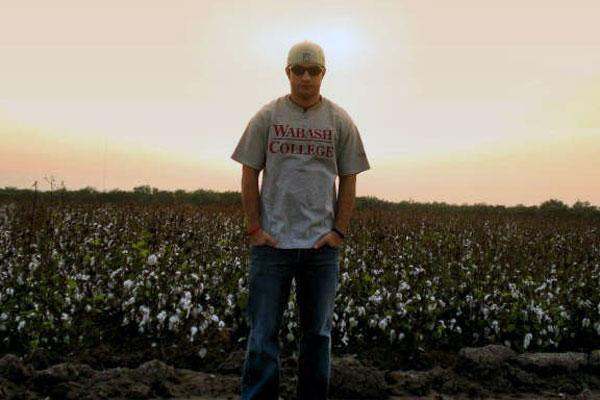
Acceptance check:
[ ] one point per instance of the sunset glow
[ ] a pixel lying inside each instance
(463, 103)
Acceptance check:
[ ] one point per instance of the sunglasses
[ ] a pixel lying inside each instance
(312, 71)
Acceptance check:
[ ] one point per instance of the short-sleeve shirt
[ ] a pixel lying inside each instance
(300, 152)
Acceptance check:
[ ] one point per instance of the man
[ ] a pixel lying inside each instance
(301, 142)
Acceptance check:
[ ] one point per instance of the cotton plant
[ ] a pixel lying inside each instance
(161, 289)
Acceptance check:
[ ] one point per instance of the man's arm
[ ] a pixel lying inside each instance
(250, 196)
(345, 202)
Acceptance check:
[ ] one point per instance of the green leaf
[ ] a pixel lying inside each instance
(242, 300)
(99, 298)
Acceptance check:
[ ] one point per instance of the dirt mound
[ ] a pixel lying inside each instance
(489, 372)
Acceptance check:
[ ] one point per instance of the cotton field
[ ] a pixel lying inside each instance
(72, 276)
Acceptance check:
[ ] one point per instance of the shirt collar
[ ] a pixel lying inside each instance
(303, 109)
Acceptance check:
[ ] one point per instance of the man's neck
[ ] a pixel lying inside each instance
(305, 103)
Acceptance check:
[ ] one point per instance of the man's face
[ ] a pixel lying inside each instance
(305, 85)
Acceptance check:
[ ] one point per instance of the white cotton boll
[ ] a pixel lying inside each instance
(353, 322)
(527, 340)
(345, 340)
(345, 277)
(21, 325)
(372, 323)
(161, 316)
(221, 324)
(144, 309)
(229, 300)
(173, 320)
(214, 318)
(128, 284)
(485, 312)
(376, 298)
(585, 322)
(114, 273)
(152, 259)
(495, 326)
(88, 308)
(361, 311)
(383, 324)
(202, 352)
(458, 329)
(401, 336)
(393, 335)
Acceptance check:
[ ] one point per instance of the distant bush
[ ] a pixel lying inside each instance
(146, 194)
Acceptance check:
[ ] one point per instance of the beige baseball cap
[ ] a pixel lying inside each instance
(306, 52)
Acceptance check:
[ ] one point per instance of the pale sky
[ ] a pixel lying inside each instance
(463, 102)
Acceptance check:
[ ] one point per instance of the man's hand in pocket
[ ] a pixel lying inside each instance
(261, 237)
(331, 238)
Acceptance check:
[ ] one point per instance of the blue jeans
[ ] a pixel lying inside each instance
(271, 271)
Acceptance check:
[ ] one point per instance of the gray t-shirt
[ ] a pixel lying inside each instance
(300, 152)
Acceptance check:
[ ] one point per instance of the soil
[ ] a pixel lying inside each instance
(489, 372)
